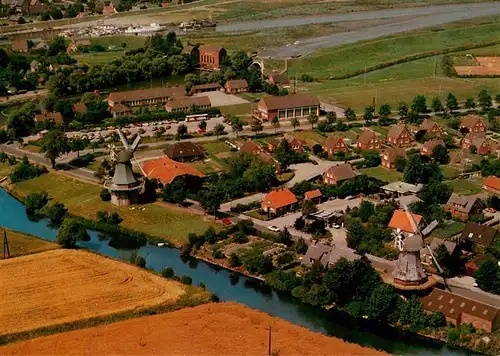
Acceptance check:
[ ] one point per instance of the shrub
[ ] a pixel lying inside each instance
(285, 258)
(217, 254)
(105, 195)
(167, 272)
(36, 201)
(26, 171)
(234, 260)
(140, 262)
(283, 281)
(300, 246)
(202, 285)
(55, 212)
(186, 280)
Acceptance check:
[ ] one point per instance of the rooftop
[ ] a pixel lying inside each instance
(184, 149)
(237, 83)
(479, 234)
(205, 86)
(144, 94)
(187, 102)
(393, 152)
(492, 182)
(289, 101)
(402, 187)
(332, 141)
(470, 121)
(313, 194)
(279, 198)
(461, 203)
(166, 170)
(341, 172)
(366, 136)
(80, 108)
(20, 45)
(431, 144)
(396, 130)
(250, 147)
(401, 220)
(427, 124)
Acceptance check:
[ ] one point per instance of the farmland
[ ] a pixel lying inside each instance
(61, 286)
(22, 244)
(222, 329)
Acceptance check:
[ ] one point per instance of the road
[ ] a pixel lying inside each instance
(406, 19)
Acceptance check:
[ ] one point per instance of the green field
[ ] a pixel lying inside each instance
(22, 244)
(215, 147)
(382, 174)
(466, 186)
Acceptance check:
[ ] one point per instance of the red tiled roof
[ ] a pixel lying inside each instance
(313, 194)
(20, 45)
(279, 198)
(431, 144)
(237, 83)
(332, 141)
(143, 94)
(367, 135)
(119, 108)
(470, 121)
(492, 182)
(250, 147)
(341, 172)
(166, 170)
(211, 49)
(427, 125)
(187, 102)
(80, 107)
(50, 116)
(401, 220)
(393, 152)
(396, 130)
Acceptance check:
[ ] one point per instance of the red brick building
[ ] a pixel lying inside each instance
(294, 143)
(473, 123)
(462, 206)
(368, 140)
(286, 107)
(55, 117)
(399, 136)
(336, 174)
(389, 157)
(479, 141)
(205, 88)
(492, 185)
(120, 110)
(279, 201)
(281, 80)
(431, 128)
(188, 103)
(211, 57)
(314, 195)
(153, 96)
(20, 46)
(428, 146)
(335, 144)
(236, 86)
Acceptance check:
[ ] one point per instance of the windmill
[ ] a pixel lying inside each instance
(124, 186)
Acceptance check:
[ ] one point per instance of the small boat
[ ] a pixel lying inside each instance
(161, 244)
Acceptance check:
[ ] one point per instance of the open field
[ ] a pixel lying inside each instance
(21, 244)
(310, 137)
(83, 199)
(98, 58)
(466, 186)
(382, 174)
(210, 329)
(60, 286)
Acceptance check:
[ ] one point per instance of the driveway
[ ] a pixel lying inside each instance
(245, 200)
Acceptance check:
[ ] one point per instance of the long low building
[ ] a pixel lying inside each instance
(187, 103)
(153, 96)
(287, 107)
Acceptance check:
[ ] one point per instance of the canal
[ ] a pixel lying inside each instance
(229, 286)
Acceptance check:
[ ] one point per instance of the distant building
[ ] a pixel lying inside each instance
(118, 110)
(205, 88)
(431, 128)
(398, 189)
(337, 174)
(400, 222)
(334, 144)
(166, 170)
(368, 140)
(314, 195)
(281, 80)
(153, 96)
(80, 108)
(109, 10)
(55, 117)
(480, 236)
(236, 86)
(473, 265)
(388, 159)
(326, 255)
(479, 141)
(211, 57)
(279, 202)
(492, 185)
(462, 206)
(287, 107)
(75, 45)
(399, 136)
(188, 103)
(250, 147)
(430, 145)
(16, 20)
(20, 46)
(294, 143)
(473, 123)
(460, 310)
(184, 151)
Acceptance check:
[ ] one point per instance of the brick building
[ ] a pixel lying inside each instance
(153, 96)
(334, 144)
(430, 145)
(205, 88)
(460, 310)
(166, 170)
(281, 80)
(473, 123)
(479, 236)
(314, 195)
(211, 57)
(55, 117)
(492, 185)
(188, 103)
(388, 159)
(74, 45)
(399, 136)
(20, 46)
(431, 128)
(118, 110)
(337, 174)
(184, 151)
(236, 86)
(294, 143)
(279, 202)
(462, 206)
(368, 140)
(479, 141)
(286, 107)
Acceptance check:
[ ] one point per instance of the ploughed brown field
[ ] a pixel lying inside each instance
(62, 286)
(209, 329)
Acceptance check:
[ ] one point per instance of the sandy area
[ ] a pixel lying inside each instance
(65, 285)
(210, 329)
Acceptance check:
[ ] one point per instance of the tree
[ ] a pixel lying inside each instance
(256, 262)
(400, 163)
(384, 110)
(414, 170)
(451, 102)
(350, 114)
(331, 117)
(55, 46)
(71, 232)
(419, 104)
(313, 119)
(300, 246)
(366, 209)
(470, 103)
(240, 61)
(440, 154)
(308, 207)
(435, 192)
(77, 144)
(202, 125)
(485, 100)
(299, 223)
(295, 122)
(54, 212)
(256, 126)
(53, 145)
(236, 125)
(436, 105)
(140, 261)
(218, 130)
(403, 109)
(369, 111)
(167, 272)
(380, 304)
(211, 201)
(447, 66)
(234, 260)
(488, 276)
(182, 130)
(35, 201)
(276, 123)
(285, 237)
(175, 192)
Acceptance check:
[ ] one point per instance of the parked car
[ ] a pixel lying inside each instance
(350, 197)
(336, 226)
(274, 228)
(490, 210)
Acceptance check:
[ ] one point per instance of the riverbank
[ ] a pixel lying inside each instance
(20, 244)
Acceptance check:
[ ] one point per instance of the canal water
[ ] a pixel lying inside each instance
(229, 286)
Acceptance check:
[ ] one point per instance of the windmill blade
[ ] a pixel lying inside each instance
(411, 218)
(123, 139)
(135, 143)
(434, 259)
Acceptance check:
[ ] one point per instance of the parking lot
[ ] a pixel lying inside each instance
(218, 99)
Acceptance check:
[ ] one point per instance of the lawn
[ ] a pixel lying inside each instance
(83, 199)
(22, 244)
(466, 186)
(98, 58)
(206, 166)
(310, 137)
(450, 228)
(382, 174)
(237, 110)
(215, 147)
(449, 172)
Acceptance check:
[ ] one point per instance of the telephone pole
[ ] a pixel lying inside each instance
(269, 343)
(6, 250)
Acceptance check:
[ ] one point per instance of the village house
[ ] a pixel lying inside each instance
(273, 144)
(279, 202)
(389, 157)
(429, 146)
(399, 189)
(399, 136)
(211, 57)
(20, 46)
(334, 144)
(153, 96)
(79, 108)
(473, 265)
(286, 107)
(294, 143)
(188, 103)
(250, 147)
(462, 206)
(75, 45)
(339, 173)
(165, 170)
(450, 246)
(400, 222)
(55, 117)
(368, 140)
(281, 80)
(313, 195)
(473, 124)
(205, 88)
(492, 185)
(236, 86)
(460, 310)
(16, 19)
(478, 140)
(118, 110)
(327, 255)
(184, 151)
(480, 236)
(109, 10)
(431, 128)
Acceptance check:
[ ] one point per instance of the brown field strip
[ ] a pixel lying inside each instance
(62, 286)
(209, 329)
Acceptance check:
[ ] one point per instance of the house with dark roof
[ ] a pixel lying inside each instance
(314, 195)
(430, 145)
(286, 107)
(339, 173)
(55, 117)
(473, 123)
(152, 96)
(327, 255)
(480, 236)
(479, 141)
(279, 202)
(211, 57)
(431, 128)
(462, 206)
(188, 103)
(205, 88)
(460, 310)
(166, 170)
(20, 46)
(368, 140)
(334, 144)
(120, 110)
(399, 136)
(184, 151)
(388, 159)
(236, 86)
(450, 246)
(492, 185)
(281, 80)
